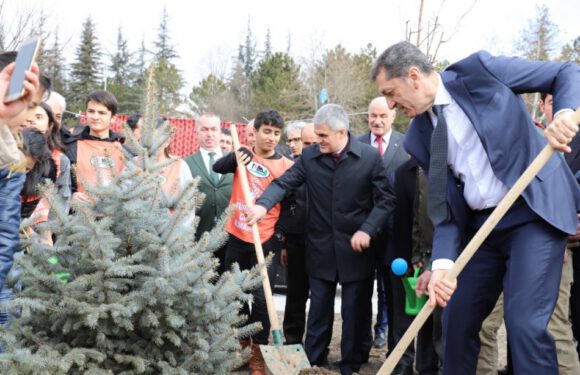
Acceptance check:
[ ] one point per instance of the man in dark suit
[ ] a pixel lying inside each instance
(389, 144)
(564, 325)
(216, 187)
(348, 202)
(483, 140)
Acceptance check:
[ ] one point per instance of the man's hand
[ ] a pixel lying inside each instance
(284, 258)
(423, 283)
(360, 241)
(561, 131)
(31, 85)
(254, 214)
(440, 290)
(244, 156)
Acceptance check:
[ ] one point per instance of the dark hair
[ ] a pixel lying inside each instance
(226, 131)
(268, 117)
(105, 98)
(8, 57)
(159, 121)
(34, 145)
(544, 95)
(133, 120)
(53, 135)
(398, 58)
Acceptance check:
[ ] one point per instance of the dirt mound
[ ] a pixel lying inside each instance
(315, 370)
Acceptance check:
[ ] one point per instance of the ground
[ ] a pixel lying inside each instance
(377, 356)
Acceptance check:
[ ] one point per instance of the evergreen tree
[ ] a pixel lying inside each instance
(123, 83)
(212, 95)
(239, 85)
(276, 84)
(537, 42)
(85, 75)
(163, 48)
(54, 64)
(130, 292)
(571, 51)
(345, 78)
(168, 78)
(248, 54)
(267, 46)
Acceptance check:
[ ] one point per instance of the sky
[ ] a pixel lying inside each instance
(206, 34)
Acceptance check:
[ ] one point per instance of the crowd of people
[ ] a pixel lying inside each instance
(339, 208)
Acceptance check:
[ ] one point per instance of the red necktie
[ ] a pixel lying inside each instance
(380, 144)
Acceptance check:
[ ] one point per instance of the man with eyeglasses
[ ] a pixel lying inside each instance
(291, 223)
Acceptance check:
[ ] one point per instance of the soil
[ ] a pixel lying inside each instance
(376, 358)
(315, 370)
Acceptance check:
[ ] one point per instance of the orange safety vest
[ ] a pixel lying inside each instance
(260, 173)
(98, 162)
(56, 154)
(42, 210)
(171, 182)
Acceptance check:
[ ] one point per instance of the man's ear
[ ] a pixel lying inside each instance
(414, 76)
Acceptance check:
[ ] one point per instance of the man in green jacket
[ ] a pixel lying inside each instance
(216, 187)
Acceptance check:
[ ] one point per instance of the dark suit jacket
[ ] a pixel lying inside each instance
(352, 196)
(404, 188)
(217, 195)
(573, 158)
(487, 89)
(395, 154)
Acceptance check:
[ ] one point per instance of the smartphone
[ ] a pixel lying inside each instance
(24, 60)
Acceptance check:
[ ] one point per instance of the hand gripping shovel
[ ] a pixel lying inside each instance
(497, 214)
(280, 359)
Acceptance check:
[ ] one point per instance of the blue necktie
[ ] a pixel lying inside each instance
(437, 197)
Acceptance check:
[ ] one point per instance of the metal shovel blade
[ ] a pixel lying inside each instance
(284, 360)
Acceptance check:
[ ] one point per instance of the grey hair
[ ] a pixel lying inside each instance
(208, 115)
(58, 99)
(398, 58)
(332, 114)
(294, 126)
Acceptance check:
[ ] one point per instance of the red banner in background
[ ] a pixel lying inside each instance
(184, 142)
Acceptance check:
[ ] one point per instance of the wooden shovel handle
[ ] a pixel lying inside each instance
(467, 253)
(275, 324)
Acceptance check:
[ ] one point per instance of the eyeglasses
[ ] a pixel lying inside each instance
(293, 140)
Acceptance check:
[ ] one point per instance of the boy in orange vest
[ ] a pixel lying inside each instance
(96, 150)
(263, 164)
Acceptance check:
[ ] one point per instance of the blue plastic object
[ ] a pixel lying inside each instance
(399, 266)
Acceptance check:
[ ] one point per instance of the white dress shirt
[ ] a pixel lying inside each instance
(205, 157)
(467, 159)
(385, 141)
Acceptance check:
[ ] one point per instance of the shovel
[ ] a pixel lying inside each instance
(497, 214)
(280, 359)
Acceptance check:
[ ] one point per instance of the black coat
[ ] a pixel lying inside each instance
(405, 188)
(352, 196)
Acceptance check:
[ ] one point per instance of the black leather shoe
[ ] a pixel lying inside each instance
(380, 340)
(402, 370)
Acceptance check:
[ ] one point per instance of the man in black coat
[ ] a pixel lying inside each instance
(348, 202)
